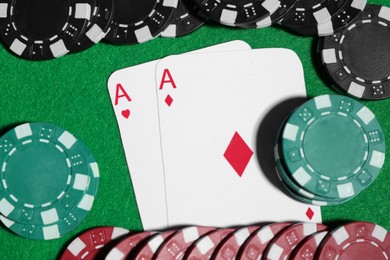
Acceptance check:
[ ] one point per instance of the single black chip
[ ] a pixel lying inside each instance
(138, 21)
(102, 13)
(42, 29)
(310, 12)
(284, 7)
(238, 13)
(357, 59)
(186, 19)
(322, 17)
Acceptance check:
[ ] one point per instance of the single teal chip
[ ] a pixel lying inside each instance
(47, 176)
(43, 232)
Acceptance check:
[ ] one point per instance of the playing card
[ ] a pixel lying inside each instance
(211, 107)
(133, 96)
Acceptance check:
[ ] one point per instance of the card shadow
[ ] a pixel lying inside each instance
(266, 136)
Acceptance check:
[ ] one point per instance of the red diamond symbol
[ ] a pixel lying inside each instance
(168, 100)
(238, 154)
(309, 213)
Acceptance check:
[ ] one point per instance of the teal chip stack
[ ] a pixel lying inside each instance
(329, 150)
(49, 180)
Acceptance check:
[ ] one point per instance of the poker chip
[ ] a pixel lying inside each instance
(293, 187)
(176, 245)
(342, 19)
(185, 20)
(333, 146)
(229, 247)
(139, 22)
(204, 247)
(42, 30)
(150, 247)
(48, 177)
(124, 248)
(309, 13)
(233, 13)
(286, 240)
(44, 232)
(298, 192)
(97, 27)
(357, 240)
(323, 17)
(357, 58)
(88, 245)
(284, 7)
(309, 198)
(76, 25)
(307, 249)
(257, 242)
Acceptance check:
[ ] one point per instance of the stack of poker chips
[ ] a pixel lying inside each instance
(284, 240)
(49, 180)
(352, 43)
(37, 30)
(46, 30)
(329, 150)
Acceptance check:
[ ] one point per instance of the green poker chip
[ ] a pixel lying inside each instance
(47, 177)
(299, 193)
(293, 188)
(57, 229)
(333, 146)
(303, 198)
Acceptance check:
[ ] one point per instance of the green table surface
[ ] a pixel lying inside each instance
(72, 92)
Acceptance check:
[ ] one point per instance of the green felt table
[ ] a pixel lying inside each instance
(72, 92)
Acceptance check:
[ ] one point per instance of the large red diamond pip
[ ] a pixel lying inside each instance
(238, 154)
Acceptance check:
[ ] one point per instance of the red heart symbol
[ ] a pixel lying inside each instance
(126, 113)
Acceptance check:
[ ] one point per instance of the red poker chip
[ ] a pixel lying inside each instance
(358, 240)
(90, 243)
(150, 248)
(176, 245)
(255, 245)
(124, 248)
(229, 248)
(307, 249)
(204, 247)
(284, 243)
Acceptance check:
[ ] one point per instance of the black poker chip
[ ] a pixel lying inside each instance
(323, 17)
(102, 13)
(357, 59)
(342, 19)
(186, 19)
(139, 21)
(308, 13)
(238, 13)
(42, 29)
(284, 7)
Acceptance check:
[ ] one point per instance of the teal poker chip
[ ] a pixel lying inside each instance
(57, 229)
(302, 195)
(297, 192)
(47, 176)
(333, 147)
(293, 188)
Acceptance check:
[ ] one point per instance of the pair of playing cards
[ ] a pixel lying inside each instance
(192, 128)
